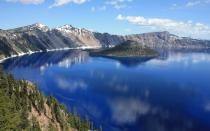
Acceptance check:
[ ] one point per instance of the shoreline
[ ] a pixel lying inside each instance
(50, 50)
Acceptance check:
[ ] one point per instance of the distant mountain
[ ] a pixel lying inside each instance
(39, 37)
(156, 40)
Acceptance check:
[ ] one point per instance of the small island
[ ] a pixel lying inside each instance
(128, 49)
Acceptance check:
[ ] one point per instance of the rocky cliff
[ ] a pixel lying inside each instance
(39, 37)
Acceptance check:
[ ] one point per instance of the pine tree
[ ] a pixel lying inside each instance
(10, 117)
(35, 125)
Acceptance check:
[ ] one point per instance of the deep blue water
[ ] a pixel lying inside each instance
(169, 93)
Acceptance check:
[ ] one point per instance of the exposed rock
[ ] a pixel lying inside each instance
(39, 37)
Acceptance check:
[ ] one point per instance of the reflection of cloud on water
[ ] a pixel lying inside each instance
(153, 118)
(71, 85)
(117, 84)
(118, 65)
(128, 110)
(113, 82)
(184, 58)
(121, 88)
(97, 73)
(207, 107)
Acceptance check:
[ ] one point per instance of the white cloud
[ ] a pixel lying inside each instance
(27, 1)
(187, 28)
(190, 4)
(118, 4)
(197, 3)
(193, 3)
(64, 2)
(103, 8)
(100, 8)
(93, 9)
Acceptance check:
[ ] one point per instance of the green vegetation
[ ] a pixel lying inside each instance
(126, 49)
(21, 104)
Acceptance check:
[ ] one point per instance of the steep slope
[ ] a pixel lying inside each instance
(155, 40)
(39, 37)
(81, 37)
(33, 38)
(23, 107)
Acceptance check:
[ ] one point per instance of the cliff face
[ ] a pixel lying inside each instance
(154, 40)
(38, 37)
(167, 40)
(33, 38)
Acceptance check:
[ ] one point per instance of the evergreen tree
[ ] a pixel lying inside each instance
(35, 125)
(17, 98)
(51, 127)
(9, 116)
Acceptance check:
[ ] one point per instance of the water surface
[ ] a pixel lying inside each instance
(169, 93)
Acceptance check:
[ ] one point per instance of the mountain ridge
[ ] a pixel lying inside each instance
(40, 25)
(39, 37)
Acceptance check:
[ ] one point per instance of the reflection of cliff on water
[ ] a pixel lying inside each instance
(42, 60)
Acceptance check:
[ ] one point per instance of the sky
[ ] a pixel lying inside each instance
(189, 18)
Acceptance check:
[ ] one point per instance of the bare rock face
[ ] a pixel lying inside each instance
(82, 37)
(39, 37)
(155, 40)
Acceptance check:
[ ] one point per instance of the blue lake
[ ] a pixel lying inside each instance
(169, 93)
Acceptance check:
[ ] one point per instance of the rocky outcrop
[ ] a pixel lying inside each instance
(38, 37)
(155, 40)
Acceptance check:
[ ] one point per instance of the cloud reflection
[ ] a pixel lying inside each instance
(207, 107)
(128, 110)
(71, 85)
